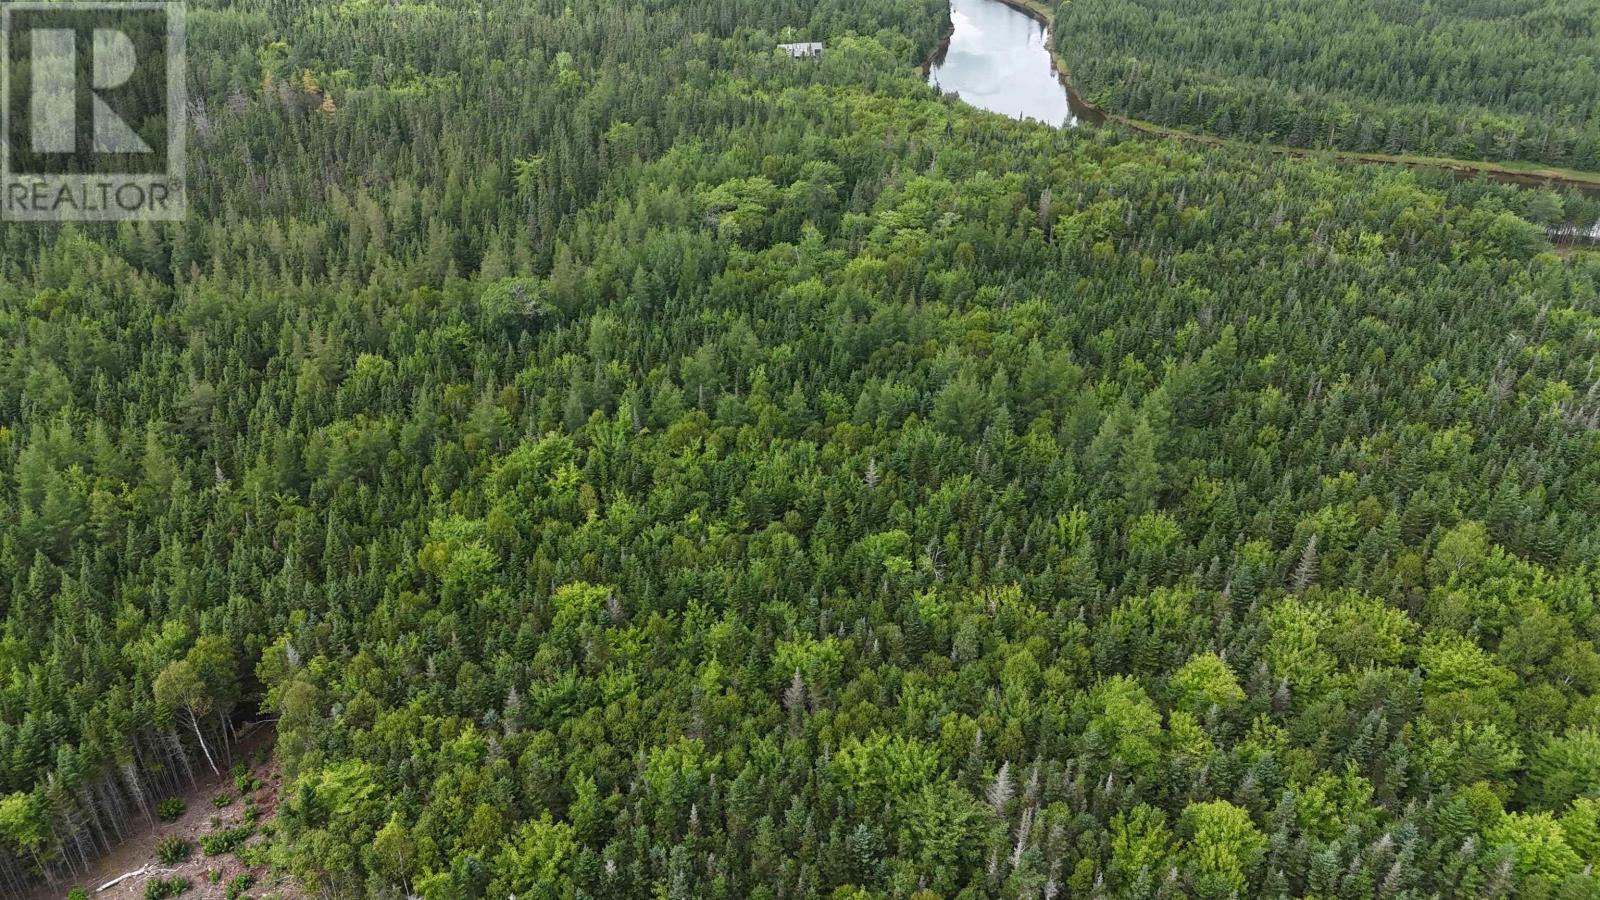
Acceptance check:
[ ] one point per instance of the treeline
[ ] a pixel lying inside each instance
(481, 124)
(331, 145)
(886, 498)
(1502, 81)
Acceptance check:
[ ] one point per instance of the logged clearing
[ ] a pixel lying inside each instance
(133, 864)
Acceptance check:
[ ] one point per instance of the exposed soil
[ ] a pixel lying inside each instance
(139, 852)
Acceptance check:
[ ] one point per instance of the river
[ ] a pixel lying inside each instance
(998, 59)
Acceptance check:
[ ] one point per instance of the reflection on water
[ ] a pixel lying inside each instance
(998, 61)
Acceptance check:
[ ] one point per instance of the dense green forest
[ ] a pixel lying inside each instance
(1483, 80)
(628, 462)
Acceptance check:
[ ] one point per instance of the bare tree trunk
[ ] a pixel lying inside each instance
(91, 807)
(227, 747)
(175, 748)
(195, 721)
(49, 875)
(66, 848)
(16, 880)
(116, 805)
(130, 776)
(78, 840)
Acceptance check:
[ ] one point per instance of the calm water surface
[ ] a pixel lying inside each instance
(998, 61)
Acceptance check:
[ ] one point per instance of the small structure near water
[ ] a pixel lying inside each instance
(807, 50)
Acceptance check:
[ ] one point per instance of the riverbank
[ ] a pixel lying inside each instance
(1082, 110)
(1524, 174)
(997, 58)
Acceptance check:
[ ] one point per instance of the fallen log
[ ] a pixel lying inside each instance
(121, 878)
(142, 870)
